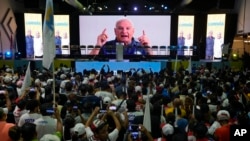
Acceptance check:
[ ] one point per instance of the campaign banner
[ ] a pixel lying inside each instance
(215, 36)
(33, 34)
(185, 35)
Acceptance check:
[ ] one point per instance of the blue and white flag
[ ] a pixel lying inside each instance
(49, 46)
(189, 68)
(147, 115)
(27, 79)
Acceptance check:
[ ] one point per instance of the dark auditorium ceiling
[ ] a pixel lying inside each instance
(143, 6)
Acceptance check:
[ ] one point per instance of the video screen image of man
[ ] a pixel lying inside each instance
(124, 34)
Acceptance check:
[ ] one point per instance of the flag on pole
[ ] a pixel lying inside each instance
(194, 105)
(175, 64)
(189, 69)
(176, 114)
(27, 79)
(48, 35)
(147, 117)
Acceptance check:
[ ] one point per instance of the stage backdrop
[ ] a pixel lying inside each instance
(185, 31)
(61, 23)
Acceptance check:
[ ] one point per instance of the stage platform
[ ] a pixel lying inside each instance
(155, 65)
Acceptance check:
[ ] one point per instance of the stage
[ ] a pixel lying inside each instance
(79, 64)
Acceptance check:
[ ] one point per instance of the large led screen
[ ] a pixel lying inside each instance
(62, 36)
(33, 34)
(155, 28)
(185, 35)
(215, 36)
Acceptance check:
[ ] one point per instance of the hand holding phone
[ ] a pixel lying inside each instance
(50, 111)
(32, 89)
(135, 135)
(102, 111)
(2, 91)
(113, 108)
(75, 107)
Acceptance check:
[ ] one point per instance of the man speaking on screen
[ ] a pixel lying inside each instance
(124, 32)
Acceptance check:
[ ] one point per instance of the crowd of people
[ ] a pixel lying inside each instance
(94, 105)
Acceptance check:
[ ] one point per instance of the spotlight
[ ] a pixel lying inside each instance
(234, 56)
(135, 8)
(151, 8)
(8, 55)
(99, 8)
(119, 8)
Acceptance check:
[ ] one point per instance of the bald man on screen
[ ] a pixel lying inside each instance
(124, 32)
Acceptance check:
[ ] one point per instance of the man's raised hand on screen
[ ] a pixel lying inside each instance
(144, 39)
(102, 38)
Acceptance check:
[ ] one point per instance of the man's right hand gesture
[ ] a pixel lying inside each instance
(102, 38)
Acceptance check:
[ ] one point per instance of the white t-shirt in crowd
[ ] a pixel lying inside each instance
(28, 117)
(18, 113)
(112, 135)
(213, 127)
(45, 125)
